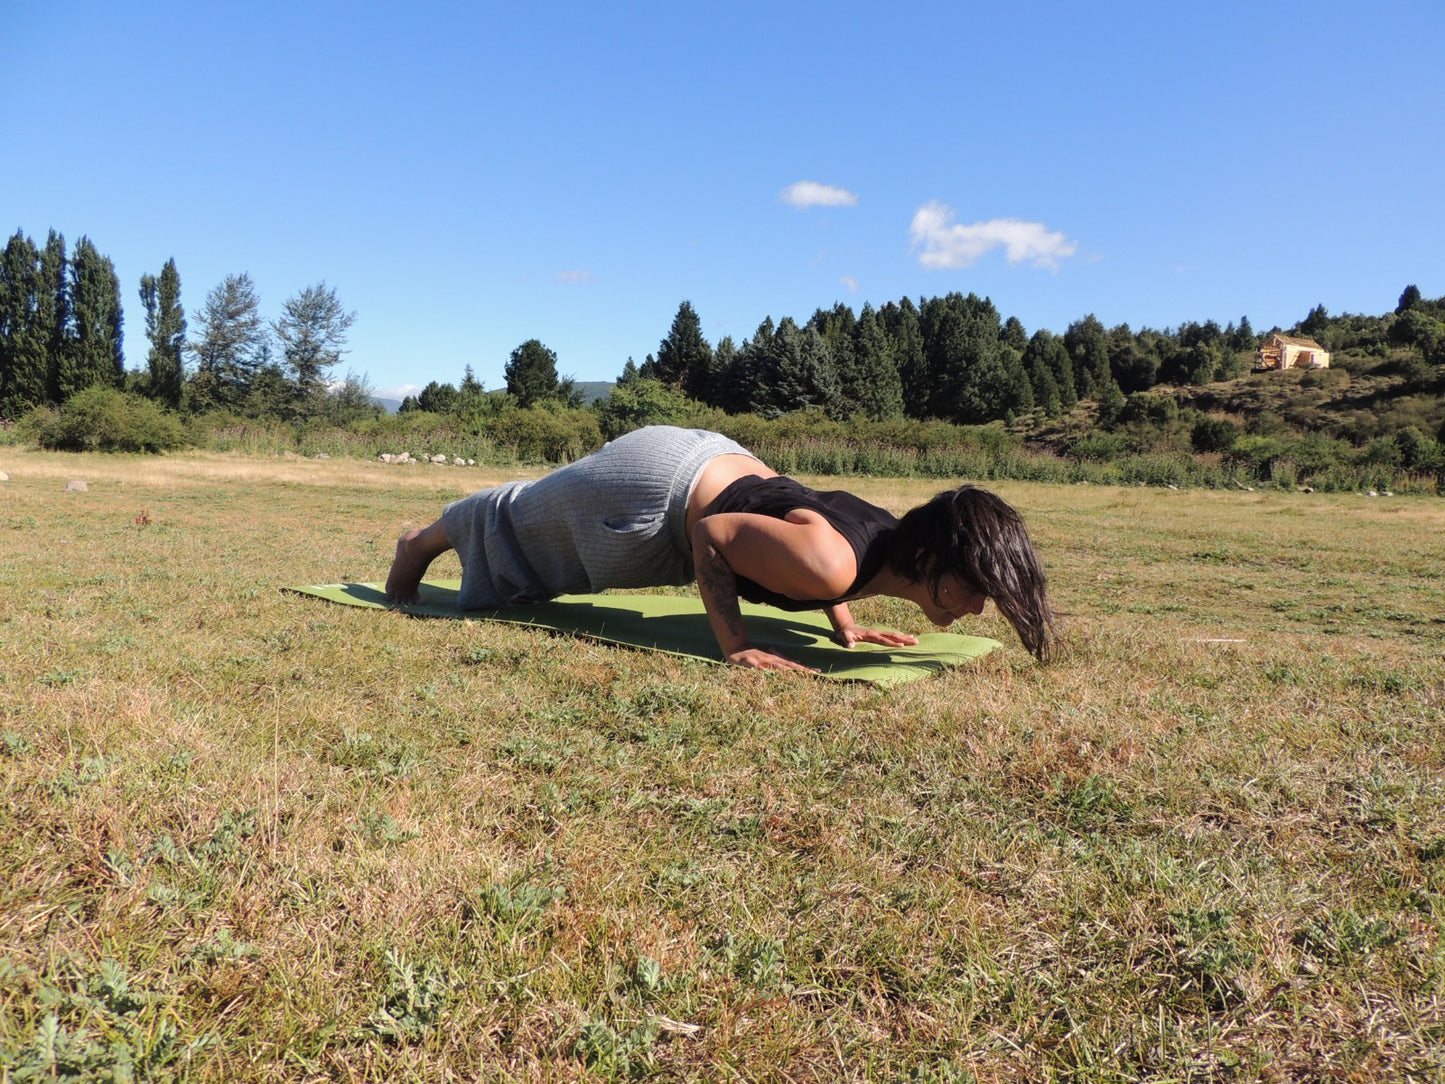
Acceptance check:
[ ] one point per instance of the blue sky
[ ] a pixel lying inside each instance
(469, 176)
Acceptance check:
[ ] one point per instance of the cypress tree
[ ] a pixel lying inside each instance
(53, 311)
(96, 317)
(166, 330)
(23, 353)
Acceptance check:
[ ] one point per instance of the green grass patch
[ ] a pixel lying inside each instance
(244, 839)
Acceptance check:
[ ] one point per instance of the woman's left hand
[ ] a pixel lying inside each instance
(856, 634)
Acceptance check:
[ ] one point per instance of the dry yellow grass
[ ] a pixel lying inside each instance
(250, 836)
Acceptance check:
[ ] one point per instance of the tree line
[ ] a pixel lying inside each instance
(955, 358)
(952, 358)
(61, 319)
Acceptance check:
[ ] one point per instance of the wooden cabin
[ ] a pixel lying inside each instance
(1287, 352)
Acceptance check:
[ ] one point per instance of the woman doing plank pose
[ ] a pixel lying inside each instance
(664, 506)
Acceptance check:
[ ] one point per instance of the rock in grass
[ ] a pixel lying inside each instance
(4, 477)
(75, 485)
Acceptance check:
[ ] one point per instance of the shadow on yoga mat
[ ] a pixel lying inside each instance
(678, 626)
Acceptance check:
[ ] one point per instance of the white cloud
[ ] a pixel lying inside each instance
(574, 276)
(812, 194)
(849, 283)
(947, 245)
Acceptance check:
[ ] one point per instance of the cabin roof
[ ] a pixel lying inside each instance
(1293, 341)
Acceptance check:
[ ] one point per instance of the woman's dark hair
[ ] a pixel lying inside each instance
(973, 534)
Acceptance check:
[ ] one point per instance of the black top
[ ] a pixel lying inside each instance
(867, 528)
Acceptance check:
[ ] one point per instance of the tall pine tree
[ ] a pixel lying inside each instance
(1087, 345)
(876, 388)
(905, 338)
(312, 333)
(1050, 372)
(684, 358)
(228, 350)
(796, 372)
(531, 374)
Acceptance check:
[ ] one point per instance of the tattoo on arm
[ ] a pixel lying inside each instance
(718, 586)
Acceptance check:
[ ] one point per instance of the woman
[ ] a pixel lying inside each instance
(662, 506)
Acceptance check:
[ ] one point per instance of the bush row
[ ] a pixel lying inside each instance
(1153, 452)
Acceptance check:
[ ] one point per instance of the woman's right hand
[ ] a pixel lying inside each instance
(758, 658)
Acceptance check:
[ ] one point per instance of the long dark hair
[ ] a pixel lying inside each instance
(973, 534)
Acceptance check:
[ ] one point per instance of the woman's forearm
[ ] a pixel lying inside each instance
(718, 586)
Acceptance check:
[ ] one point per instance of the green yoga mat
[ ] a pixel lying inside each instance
(678, 626)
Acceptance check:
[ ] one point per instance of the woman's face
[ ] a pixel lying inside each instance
(953, 599)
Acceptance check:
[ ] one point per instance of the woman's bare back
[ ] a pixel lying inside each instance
(721, 472)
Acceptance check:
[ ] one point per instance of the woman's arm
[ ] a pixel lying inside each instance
(800, 556)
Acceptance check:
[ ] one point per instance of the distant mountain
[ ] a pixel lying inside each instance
(594, 390)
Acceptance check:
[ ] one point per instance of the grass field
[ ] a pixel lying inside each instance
(250, 836)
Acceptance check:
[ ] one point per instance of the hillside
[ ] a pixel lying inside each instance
(1359, 399)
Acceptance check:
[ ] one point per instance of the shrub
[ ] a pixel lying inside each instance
(644, 402)
(1213, 435)
(546, 433)
(1142, 408)
(105, 420)
(1099, 446)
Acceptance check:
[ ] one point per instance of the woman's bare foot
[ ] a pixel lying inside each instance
(413, 557)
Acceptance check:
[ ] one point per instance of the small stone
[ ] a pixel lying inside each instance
(440, 459)
(322, 455)
(75, 485)
(4, 477)
(458, 461)
(1372, 493)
